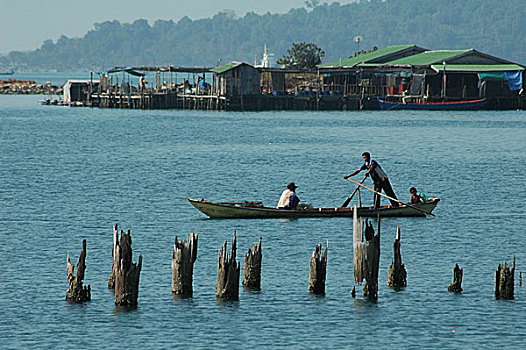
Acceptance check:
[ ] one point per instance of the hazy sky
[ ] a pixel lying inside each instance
(25, 24)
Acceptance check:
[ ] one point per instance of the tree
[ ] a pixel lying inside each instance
(302, 56)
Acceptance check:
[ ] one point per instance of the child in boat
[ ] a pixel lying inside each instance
(417, 197)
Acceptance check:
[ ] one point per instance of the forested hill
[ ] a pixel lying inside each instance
(496, 28)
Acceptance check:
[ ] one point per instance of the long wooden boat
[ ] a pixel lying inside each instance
(454, 105)
(255, 210)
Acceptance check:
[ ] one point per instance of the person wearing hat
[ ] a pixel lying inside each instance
(289, 199)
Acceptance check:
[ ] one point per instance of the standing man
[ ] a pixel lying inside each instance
(288, 199)
(380, 179)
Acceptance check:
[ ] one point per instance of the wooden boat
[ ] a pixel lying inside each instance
(255, 210)
(454, 105)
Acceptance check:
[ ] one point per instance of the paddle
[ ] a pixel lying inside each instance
(348, 200)
(391, 198)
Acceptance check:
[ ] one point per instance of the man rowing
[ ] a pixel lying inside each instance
(380, 179)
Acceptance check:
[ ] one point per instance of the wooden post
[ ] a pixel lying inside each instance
(366, 255)
(318, 270)
(126, 273)
(252, 268)
(396, 274)
(520, 278)
(111, 279)
(183, 259)
(228, 274)
(456, 285)
(358, 248)
(372, 261)
(77, 293)
(504, 281)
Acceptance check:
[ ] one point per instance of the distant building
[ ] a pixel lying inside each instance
(78, 90)
(236, 79)
(267, 61)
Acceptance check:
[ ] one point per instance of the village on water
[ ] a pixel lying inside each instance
(394, 77)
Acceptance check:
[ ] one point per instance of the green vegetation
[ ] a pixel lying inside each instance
(302, 56)
(490, 27)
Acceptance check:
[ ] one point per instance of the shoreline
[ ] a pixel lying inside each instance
(28, 87)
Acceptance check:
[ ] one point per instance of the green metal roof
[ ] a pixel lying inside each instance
(352, 61)
(225, 67)
(478, 67)
(429, 57)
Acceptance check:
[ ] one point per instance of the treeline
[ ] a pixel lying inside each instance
(493, 28)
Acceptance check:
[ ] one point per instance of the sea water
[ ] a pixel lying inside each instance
(68, 174)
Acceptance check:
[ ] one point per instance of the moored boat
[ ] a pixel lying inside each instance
(452, 105)
(255, 210)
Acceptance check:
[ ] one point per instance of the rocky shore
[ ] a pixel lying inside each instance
(27, 87)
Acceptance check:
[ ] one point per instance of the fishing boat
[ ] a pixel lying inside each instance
(256, 210)
(7, 73)
(453, 105)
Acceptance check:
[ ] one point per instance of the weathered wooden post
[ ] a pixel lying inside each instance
(396, 274)
(111, 279)
(183, 259)
(366, 255)
(126, 272)
(504, 281)
(77, 293)
(456, 285)
(358, 248)
(318, 270)
(228, 274)
(252, 267)
(372, 260)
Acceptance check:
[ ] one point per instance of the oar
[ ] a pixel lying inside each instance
(348, 200)
(391, 198)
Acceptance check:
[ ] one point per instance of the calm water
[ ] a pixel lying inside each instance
(67, 174)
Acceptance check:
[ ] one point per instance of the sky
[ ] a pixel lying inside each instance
(25, 24)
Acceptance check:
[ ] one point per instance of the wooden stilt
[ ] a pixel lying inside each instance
(77, 293)
(126, 273)
(396, 274)
(252, 268)
(366, 255)
(183, 259)
(456, 285)
(111, 279)
(372, 259)
(504, 281)
(228, 274)
(318, 270)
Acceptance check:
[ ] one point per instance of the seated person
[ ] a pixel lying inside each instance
(288, 199)
(416, 197)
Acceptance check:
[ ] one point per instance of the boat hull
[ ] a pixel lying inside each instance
(228, 211)
(429, 106)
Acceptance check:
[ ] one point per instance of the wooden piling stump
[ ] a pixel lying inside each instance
(252, 267)
(456, 285)
(183, 259)
(111, 279)
(372, 260)
(77, 293)
(520, 278)
(396, 274)
(504, 281)
(366, 255)
(127, 273)
(228, 274)
(318, 270)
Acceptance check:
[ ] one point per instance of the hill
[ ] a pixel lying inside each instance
(493, 28)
